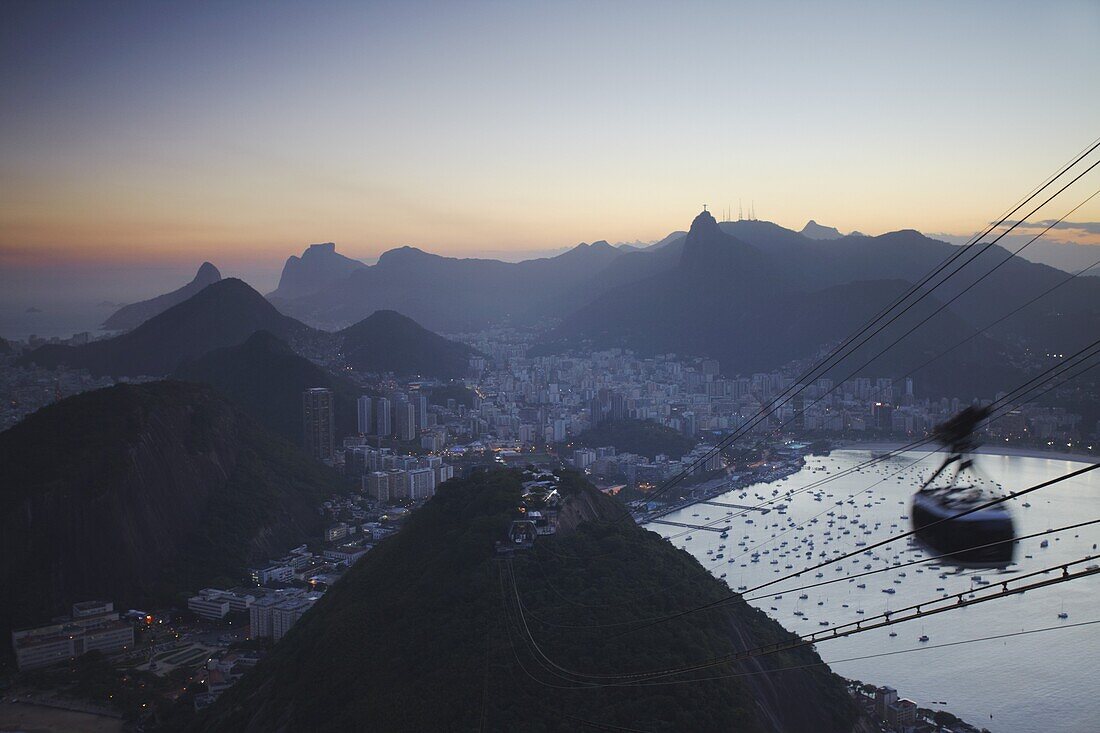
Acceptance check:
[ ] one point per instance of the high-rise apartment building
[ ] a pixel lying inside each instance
(318, 423)
(404, 413)
(420, 402)
(382, 417)
(366, 415)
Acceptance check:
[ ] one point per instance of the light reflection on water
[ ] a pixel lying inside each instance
(1042, 682)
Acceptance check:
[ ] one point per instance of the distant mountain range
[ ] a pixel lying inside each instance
(1066, 256)
(755, 299)
(222, 314)
(750, 293)
(755, 296)
(133, 315)
(136, 493)
(451, 294)
(230, 336)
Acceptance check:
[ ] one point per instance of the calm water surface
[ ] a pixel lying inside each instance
(1038, 683)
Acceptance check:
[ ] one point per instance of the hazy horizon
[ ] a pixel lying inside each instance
(240, 133)
(78, 295)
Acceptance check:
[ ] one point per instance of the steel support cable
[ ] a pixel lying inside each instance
(732, 557)
(853, 628)
(888, 618)
(849, 578)
(894, 538)
(988, 326)
(923, 647)
(923, 560)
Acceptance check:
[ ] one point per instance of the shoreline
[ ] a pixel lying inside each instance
(986, 450)
(719, 490)
(869, 446)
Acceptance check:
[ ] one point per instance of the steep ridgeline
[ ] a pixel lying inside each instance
(136, 493)
(424, 633)
(452, 294)
(266, 378)
(1056, 323)
(813, 230)
(222, 314)
(387, 341)
(133, 315)
(318, 268)
(758, 301)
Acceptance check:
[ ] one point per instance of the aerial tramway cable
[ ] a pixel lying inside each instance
(894, 538)
(888, 618)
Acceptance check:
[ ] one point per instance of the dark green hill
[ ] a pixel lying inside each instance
(387, 341)
(134, 493)
(265, 377)
(222, 314)
(644, 437)
(422, 634)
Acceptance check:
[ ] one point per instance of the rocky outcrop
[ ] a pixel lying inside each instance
(319, 267)
(813, 230)
(133, 315)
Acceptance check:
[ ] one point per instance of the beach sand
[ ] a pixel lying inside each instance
(39, 719)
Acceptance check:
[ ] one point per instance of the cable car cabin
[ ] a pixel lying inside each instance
(522, 532)
(980, 539)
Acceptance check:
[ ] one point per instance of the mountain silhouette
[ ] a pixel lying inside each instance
(319, 267)
(813, 230)
(133, 315)
(222, 314)
(266, 378)
(387, 341)
(454, 294)
(767, 296)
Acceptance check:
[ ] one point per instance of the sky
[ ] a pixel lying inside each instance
(147, 137)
